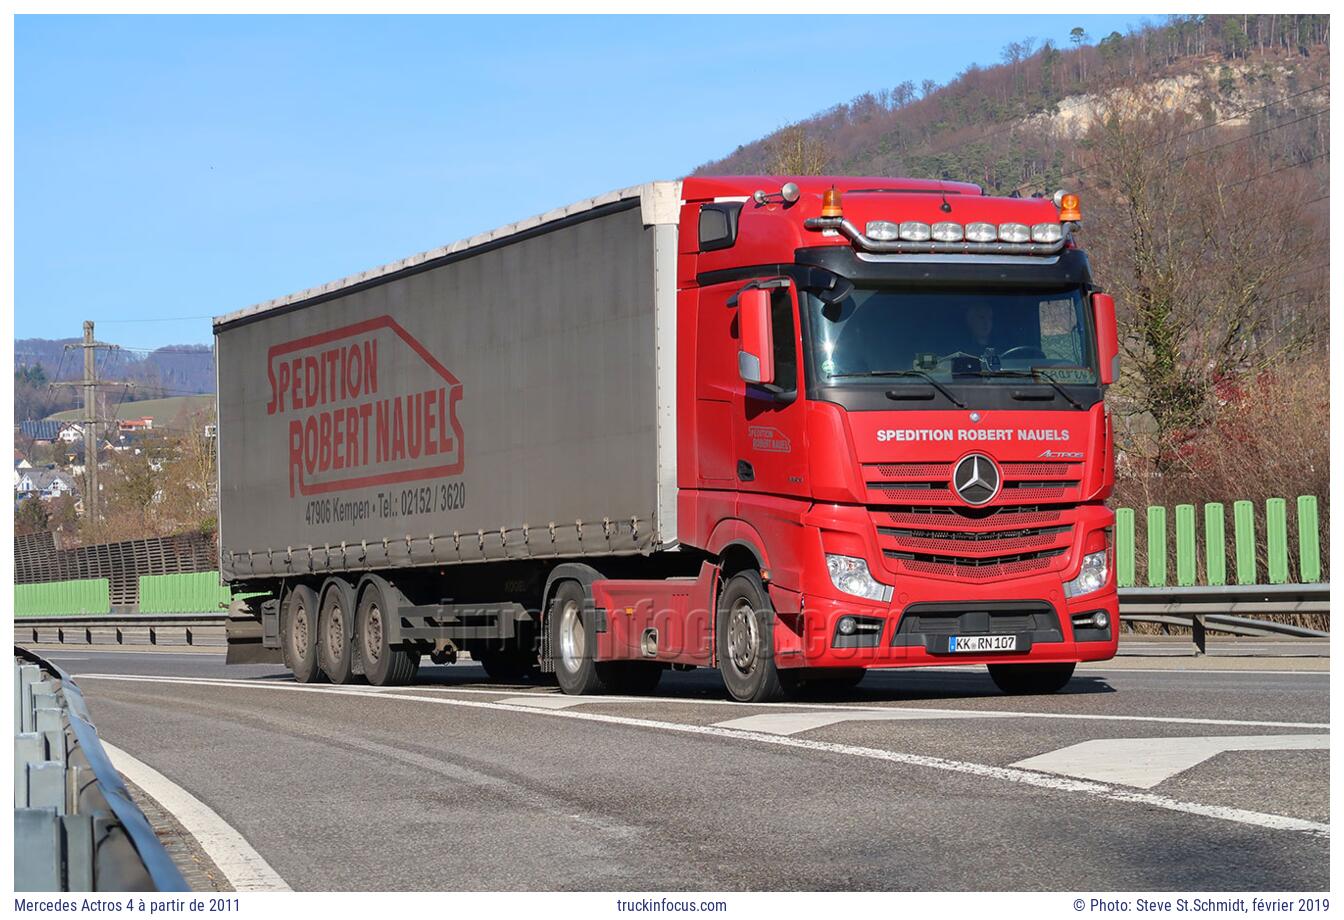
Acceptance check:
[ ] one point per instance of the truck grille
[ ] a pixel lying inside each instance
(931, 482)
(974, 544)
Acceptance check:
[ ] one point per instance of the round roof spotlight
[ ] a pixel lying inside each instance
(790, 192)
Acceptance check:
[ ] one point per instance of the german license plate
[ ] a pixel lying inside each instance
(981, 643)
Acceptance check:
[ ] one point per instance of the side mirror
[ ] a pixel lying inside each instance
(1108, 337)
(756, 357)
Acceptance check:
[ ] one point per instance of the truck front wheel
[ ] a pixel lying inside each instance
(746, 641)
(1017, 679)
(573, 641)
(298, 630)
(384, 666)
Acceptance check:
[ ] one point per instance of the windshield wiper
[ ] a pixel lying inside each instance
(1032, 375)
(921, 374)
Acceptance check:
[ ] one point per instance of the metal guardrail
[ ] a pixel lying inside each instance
(1231, 609)
(163, 629)
(76, 827)
(1225, 608)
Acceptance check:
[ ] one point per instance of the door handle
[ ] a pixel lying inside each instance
(745, 472)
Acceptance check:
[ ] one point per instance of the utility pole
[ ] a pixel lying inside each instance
(90, 383)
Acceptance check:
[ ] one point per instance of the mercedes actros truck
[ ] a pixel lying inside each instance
(792, 428)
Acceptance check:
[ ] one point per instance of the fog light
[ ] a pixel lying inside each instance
(1046, 233)
(914, 231)
(1015, 233)
(1100, 620)
(846, 626)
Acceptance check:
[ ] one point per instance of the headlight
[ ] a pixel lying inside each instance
(1092, 576)
(981, 232)
(850, 575)
(1015, 233)
(1046, 233)
(914, 231)
(882, 230)
(947, 231)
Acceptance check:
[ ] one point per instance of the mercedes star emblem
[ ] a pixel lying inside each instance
(976, 479)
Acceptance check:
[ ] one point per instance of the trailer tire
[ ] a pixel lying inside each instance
(744, 632)
(1021, 679)
(298, 633)
(335, 649)
(384, 666)
(573, 642)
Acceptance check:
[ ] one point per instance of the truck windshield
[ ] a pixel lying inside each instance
(973, 337)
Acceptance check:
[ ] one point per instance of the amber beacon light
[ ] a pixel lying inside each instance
(830, 203)
(1068, 207)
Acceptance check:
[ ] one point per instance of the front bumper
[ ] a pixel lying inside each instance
(1042, 626)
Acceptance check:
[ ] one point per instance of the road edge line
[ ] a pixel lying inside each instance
(242, 865)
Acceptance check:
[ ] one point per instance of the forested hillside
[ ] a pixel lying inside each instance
(1200, 147)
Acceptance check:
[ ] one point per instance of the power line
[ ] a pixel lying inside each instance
(1279, 169)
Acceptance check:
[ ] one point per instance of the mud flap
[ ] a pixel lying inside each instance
(253, 635)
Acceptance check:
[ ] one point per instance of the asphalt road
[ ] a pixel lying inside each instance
(1146, 774)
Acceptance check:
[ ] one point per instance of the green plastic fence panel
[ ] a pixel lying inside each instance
(84, 597)
(1124, 547)
(1185, 545)
(1215, 544)
(1308, 540)
(197, 592)
(1157, 545)
(1276, 540)
(1243, 532)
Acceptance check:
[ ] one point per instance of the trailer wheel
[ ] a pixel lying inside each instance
(1018, 679)
(335, 651)
(384, 666)
(745, 635)
(298, 633)
(573, 642)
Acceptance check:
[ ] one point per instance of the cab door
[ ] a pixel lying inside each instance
(768, 428)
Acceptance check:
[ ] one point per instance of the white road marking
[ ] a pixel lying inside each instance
(984, 771)
(1146, 762)
(792, 723)
(243, 866)
(846, 707)
(544, 701)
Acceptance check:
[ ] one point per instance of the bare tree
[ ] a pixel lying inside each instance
(794, 151)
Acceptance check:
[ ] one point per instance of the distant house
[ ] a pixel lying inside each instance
(20, 464)
(72, 434)
(128, 425)
(44, 484)
(41, 429)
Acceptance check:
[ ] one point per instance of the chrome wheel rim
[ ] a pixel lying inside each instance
(743, 636)
(572, 638)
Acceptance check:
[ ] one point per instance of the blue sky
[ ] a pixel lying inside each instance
(176, 167)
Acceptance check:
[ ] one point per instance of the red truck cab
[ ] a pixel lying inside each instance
(893, 445)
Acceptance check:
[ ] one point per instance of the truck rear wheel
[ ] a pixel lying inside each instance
(1017, 679)
(573, 641)
(335, 651)
(384, 666)
(746, 645)
(298, 632)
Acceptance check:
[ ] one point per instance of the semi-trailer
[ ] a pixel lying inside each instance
(792, 428)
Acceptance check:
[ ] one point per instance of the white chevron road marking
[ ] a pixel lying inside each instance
(1146, 762)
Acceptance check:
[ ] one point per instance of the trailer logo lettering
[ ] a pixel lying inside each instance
(341, 422)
